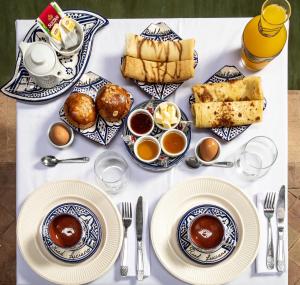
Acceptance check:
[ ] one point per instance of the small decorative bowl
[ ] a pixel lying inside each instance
(178, 115)
(140, 111)
(198, 156)
(144, 138)
(181, 133)
(70, 131)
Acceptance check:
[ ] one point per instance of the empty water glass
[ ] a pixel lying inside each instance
(111, 171)
(257, 157)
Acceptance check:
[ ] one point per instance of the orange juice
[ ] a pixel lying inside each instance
(265, 35)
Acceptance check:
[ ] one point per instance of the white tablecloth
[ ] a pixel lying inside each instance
(218, 43)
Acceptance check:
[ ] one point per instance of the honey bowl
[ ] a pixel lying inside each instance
(147, 149)
(173, 142)
(206, 232)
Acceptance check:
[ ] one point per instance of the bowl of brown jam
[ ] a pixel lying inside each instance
(140, 122)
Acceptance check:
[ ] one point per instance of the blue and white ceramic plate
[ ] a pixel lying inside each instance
(161, 32)
(197, 255)
(21, 85)
(164, 162)
(102, 131)
(91, 229)
(226, 73)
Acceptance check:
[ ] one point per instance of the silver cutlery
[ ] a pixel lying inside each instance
(269, 212)
(127, 218)
(280, 215)
(139, 236)
(193, 162)
(51, 160)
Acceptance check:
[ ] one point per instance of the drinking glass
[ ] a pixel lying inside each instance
(257, 157)
(111, 171)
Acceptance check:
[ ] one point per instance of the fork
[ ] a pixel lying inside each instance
(269, 211)
(127, 218)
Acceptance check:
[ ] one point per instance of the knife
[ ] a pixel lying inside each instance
(280, 215)
(139, 237)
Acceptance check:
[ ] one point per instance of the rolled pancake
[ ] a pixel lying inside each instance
(162, 51)
(157, 72)
(227, 114)
(246, 89)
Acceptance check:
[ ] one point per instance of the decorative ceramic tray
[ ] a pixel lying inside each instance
(226, 73)
(219, 254)
(91, 229)
(161, 32)
(21, 85)
(164, 162)
(102, 131)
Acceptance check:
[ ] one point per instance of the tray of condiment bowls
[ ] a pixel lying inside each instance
(226, 73)
(207, 234)
(98, 247)
(161, 32)
(164, 161)
(190, 195)
(22, 87)
(102, 131)
(71, 232)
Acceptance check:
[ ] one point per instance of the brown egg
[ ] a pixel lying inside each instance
(208, 149)
(59, 134)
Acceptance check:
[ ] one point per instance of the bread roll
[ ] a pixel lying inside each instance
(246, 89)
(161, 51)
(157, 72)
(80, 110)
(113, 102)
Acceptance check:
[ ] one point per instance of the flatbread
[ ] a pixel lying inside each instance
(157, 72)
(246, 89)
(161, 51)
(227, 114)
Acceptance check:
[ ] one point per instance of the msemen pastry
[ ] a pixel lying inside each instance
(80, 110)
(227, 114)
(157, 72)
(246, 89)
(113, 102)
(161, 51)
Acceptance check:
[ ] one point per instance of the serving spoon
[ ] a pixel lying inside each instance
(51, 160)
(193, 162)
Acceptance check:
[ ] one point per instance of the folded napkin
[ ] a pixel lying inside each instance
(261, 266)
(132, 250)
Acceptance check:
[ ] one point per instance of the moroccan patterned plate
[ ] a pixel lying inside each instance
(102, 131)
(161, 32)
(226, 73)
(164, 162)
(219, 254)
(92, 233)
(21, 85)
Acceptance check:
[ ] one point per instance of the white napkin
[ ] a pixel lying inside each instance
(261, 266)
(132, 250)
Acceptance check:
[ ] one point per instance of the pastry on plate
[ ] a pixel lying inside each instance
(157, 72)
(161, 51)
(246, 89)
(227, 114)
(80, 110)
(113, 102)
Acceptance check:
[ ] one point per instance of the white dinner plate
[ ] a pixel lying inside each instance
(38, 205)
(187, 195)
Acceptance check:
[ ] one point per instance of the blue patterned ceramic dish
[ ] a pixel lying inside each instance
(164, 162)
(102, 131)
(220, 253)
(21, 85)
(226, 73)
(92, 233)
(161, 32)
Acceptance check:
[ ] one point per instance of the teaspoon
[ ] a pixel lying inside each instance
(193, 162)
(51, 160)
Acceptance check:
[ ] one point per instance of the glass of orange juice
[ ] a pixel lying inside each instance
(265, 35)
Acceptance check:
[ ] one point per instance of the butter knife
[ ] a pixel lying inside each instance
(280, 215)
(139, 237)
